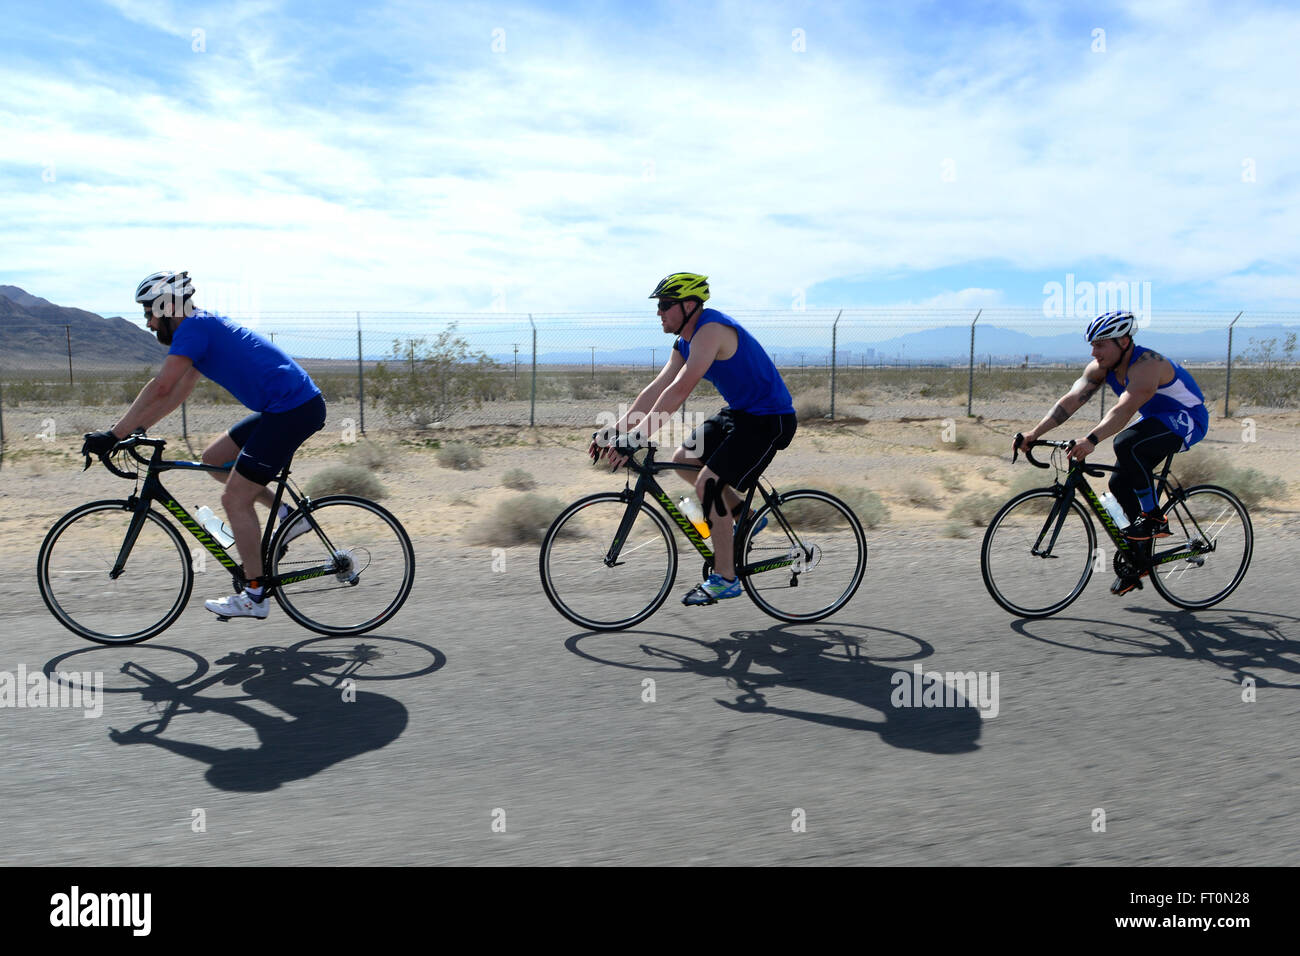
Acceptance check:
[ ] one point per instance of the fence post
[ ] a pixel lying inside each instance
(361, 378)
(970, 385)
(834, 342)
(185, 422)
(2, 416)
(68, 330)
(1227, 385)
(532, 402)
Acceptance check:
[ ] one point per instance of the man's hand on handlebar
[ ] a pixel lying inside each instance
(99, 444)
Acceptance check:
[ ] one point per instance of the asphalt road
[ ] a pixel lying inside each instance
(484, 730)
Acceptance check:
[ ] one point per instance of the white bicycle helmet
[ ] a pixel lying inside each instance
(164, 283)
(1112, 325)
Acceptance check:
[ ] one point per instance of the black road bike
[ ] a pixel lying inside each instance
(609, 560)
(118, 572)
(1040, 549)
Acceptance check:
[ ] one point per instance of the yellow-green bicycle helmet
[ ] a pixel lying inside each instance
(682, 285)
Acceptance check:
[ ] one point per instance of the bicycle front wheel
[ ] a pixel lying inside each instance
(74, 572)
(593, 593)
(1038, 585)
(347, 574)
(1209, 551)
(809, 560)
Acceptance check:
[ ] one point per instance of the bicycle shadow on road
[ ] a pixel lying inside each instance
(835, 663)
(1243, 642)
(323, 716)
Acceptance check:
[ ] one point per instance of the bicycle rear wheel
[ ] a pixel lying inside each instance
(1030, 585)
(371, 561)
(586, 590)
(1212, 524)
(79, 553)
(809, 560)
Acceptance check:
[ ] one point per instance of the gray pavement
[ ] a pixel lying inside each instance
(485, 706)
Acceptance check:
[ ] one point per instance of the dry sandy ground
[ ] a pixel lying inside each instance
(907, 462)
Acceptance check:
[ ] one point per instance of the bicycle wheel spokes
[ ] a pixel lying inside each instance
(1211, 528)
(811, 570)
(373, 567)
(1027, 584)
(583, 587)
(74, 567)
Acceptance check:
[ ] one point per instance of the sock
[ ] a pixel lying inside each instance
(254, 591)
(1147, 499)
(284, 510)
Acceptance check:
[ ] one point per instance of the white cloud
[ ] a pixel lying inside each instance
(584, 162)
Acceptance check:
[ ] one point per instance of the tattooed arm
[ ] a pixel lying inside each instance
(1079, 395)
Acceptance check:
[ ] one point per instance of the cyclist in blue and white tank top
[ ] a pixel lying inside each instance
(734, 446)
(286, 404)
(1171, 411)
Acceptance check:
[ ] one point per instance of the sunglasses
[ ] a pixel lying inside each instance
(666, 304)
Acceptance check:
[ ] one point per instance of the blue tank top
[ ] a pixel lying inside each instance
(1180, 404)
(253, 369)
(748, 381)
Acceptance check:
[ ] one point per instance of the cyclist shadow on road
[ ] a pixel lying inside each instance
(326, 718)
(833, 664)
(1247, 643)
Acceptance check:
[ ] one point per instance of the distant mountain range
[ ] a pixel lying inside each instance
(34, 333)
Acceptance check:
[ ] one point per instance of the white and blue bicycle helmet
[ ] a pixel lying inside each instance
(1112, 325)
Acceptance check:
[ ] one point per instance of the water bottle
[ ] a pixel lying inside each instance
(695, 513)
(215, 527)
(1116, 512)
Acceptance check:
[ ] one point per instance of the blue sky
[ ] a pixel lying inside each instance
(523, 157)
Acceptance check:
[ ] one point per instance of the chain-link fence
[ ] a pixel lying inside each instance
(385, 371)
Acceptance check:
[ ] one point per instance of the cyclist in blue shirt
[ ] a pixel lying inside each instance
(287, 409)
(1171, 411)
(734, 446)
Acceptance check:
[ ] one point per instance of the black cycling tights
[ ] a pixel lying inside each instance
(1138, 450)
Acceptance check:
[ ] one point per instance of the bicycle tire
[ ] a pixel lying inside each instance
(582, 587)
(1220, 515)
(79, 551)
(822, 531)
(1014, 576)
(369, 544)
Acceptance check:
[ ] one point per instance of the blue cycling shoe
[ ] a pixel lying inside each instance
(715, 589)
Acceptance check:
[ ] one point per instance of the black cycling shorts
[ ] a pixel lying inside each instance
(267, 440)
(736, 446)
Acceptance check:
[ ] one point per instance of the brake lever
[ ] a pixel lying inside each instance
(1015, 446)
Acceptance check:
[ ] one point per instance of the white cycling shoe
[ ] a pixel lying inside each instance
(238, 605)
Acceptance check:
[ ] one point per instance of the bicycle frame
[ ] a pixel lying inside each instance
(646, 483)
(1075, 481)
(154, 490)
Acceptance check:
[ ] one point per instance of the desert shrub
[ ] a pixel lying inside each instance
(518, 520)
(425, 382)
(518, 479)
(976, 509)
(866, 504)
(460, 456)
(955, 529)
(813, 405)
(1275, 381)
(952, 480)
(368, 455)
(919, 493)
(1201, 466)
(346, 480)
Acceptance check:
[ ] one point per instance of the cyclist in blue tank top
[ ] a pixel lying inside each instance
(1171, 412)
(734, 446)
(286, 404)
